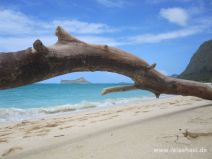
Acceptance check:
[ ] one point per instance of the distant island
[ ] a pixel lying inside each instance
(80, 80)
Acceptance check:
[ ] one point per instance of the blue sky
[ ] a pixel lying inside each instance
(166, 32)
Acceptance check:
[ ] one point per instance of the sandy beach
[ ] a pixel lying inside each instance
(173, 127)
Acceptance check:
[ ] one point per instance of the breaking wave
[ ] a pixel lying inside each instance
(16, 114)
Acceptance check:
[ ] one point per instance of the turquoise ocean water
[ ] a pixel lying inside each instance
(38, 100)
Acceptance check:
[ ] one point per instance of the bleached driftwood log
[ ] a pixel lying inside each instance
(71, 55)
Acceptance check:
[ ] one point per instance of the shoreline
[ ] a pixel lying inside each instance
(69, 109)
(36, 139)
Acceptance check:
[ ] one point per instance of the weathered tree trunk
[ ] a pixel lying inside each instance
(71, 55)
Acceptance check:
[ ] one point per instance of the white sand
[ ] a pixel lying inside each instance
(134, 131)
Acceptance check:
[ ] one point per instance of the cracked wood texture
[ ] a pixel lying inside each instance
(69, 54)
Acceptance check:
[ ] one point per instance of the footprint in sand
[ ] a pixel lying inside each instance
(3, 140)
(51, 125)
(66, 127)
(11, 151)
(104, 119)
(4, 131)
(119, 111)
(82, 119)
(41, 127)
(171, 103)
(114, 116)
(59, 122)
(146, 111)
(59, 135)
(34, 128)
(94, 121)
(26, 136)
(163, 108)
(5, 134)
(137, 112)
(43, 131)
(109, 118)
(105, 114)
(38, 133)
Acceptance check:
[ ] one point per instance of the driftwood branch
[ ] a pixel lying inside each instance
(69, 54)
(118, 89)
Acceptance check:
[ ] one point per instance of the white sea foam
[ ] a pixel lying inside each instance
(14, 114)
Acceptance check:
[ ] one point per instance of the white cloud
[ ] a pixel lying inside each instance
(175, 15)
(12, 22)
(18, 31)
(84, 27)
(17, 23)
(102, 40)
(153, 38)
(113, 3)
(20, 43)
